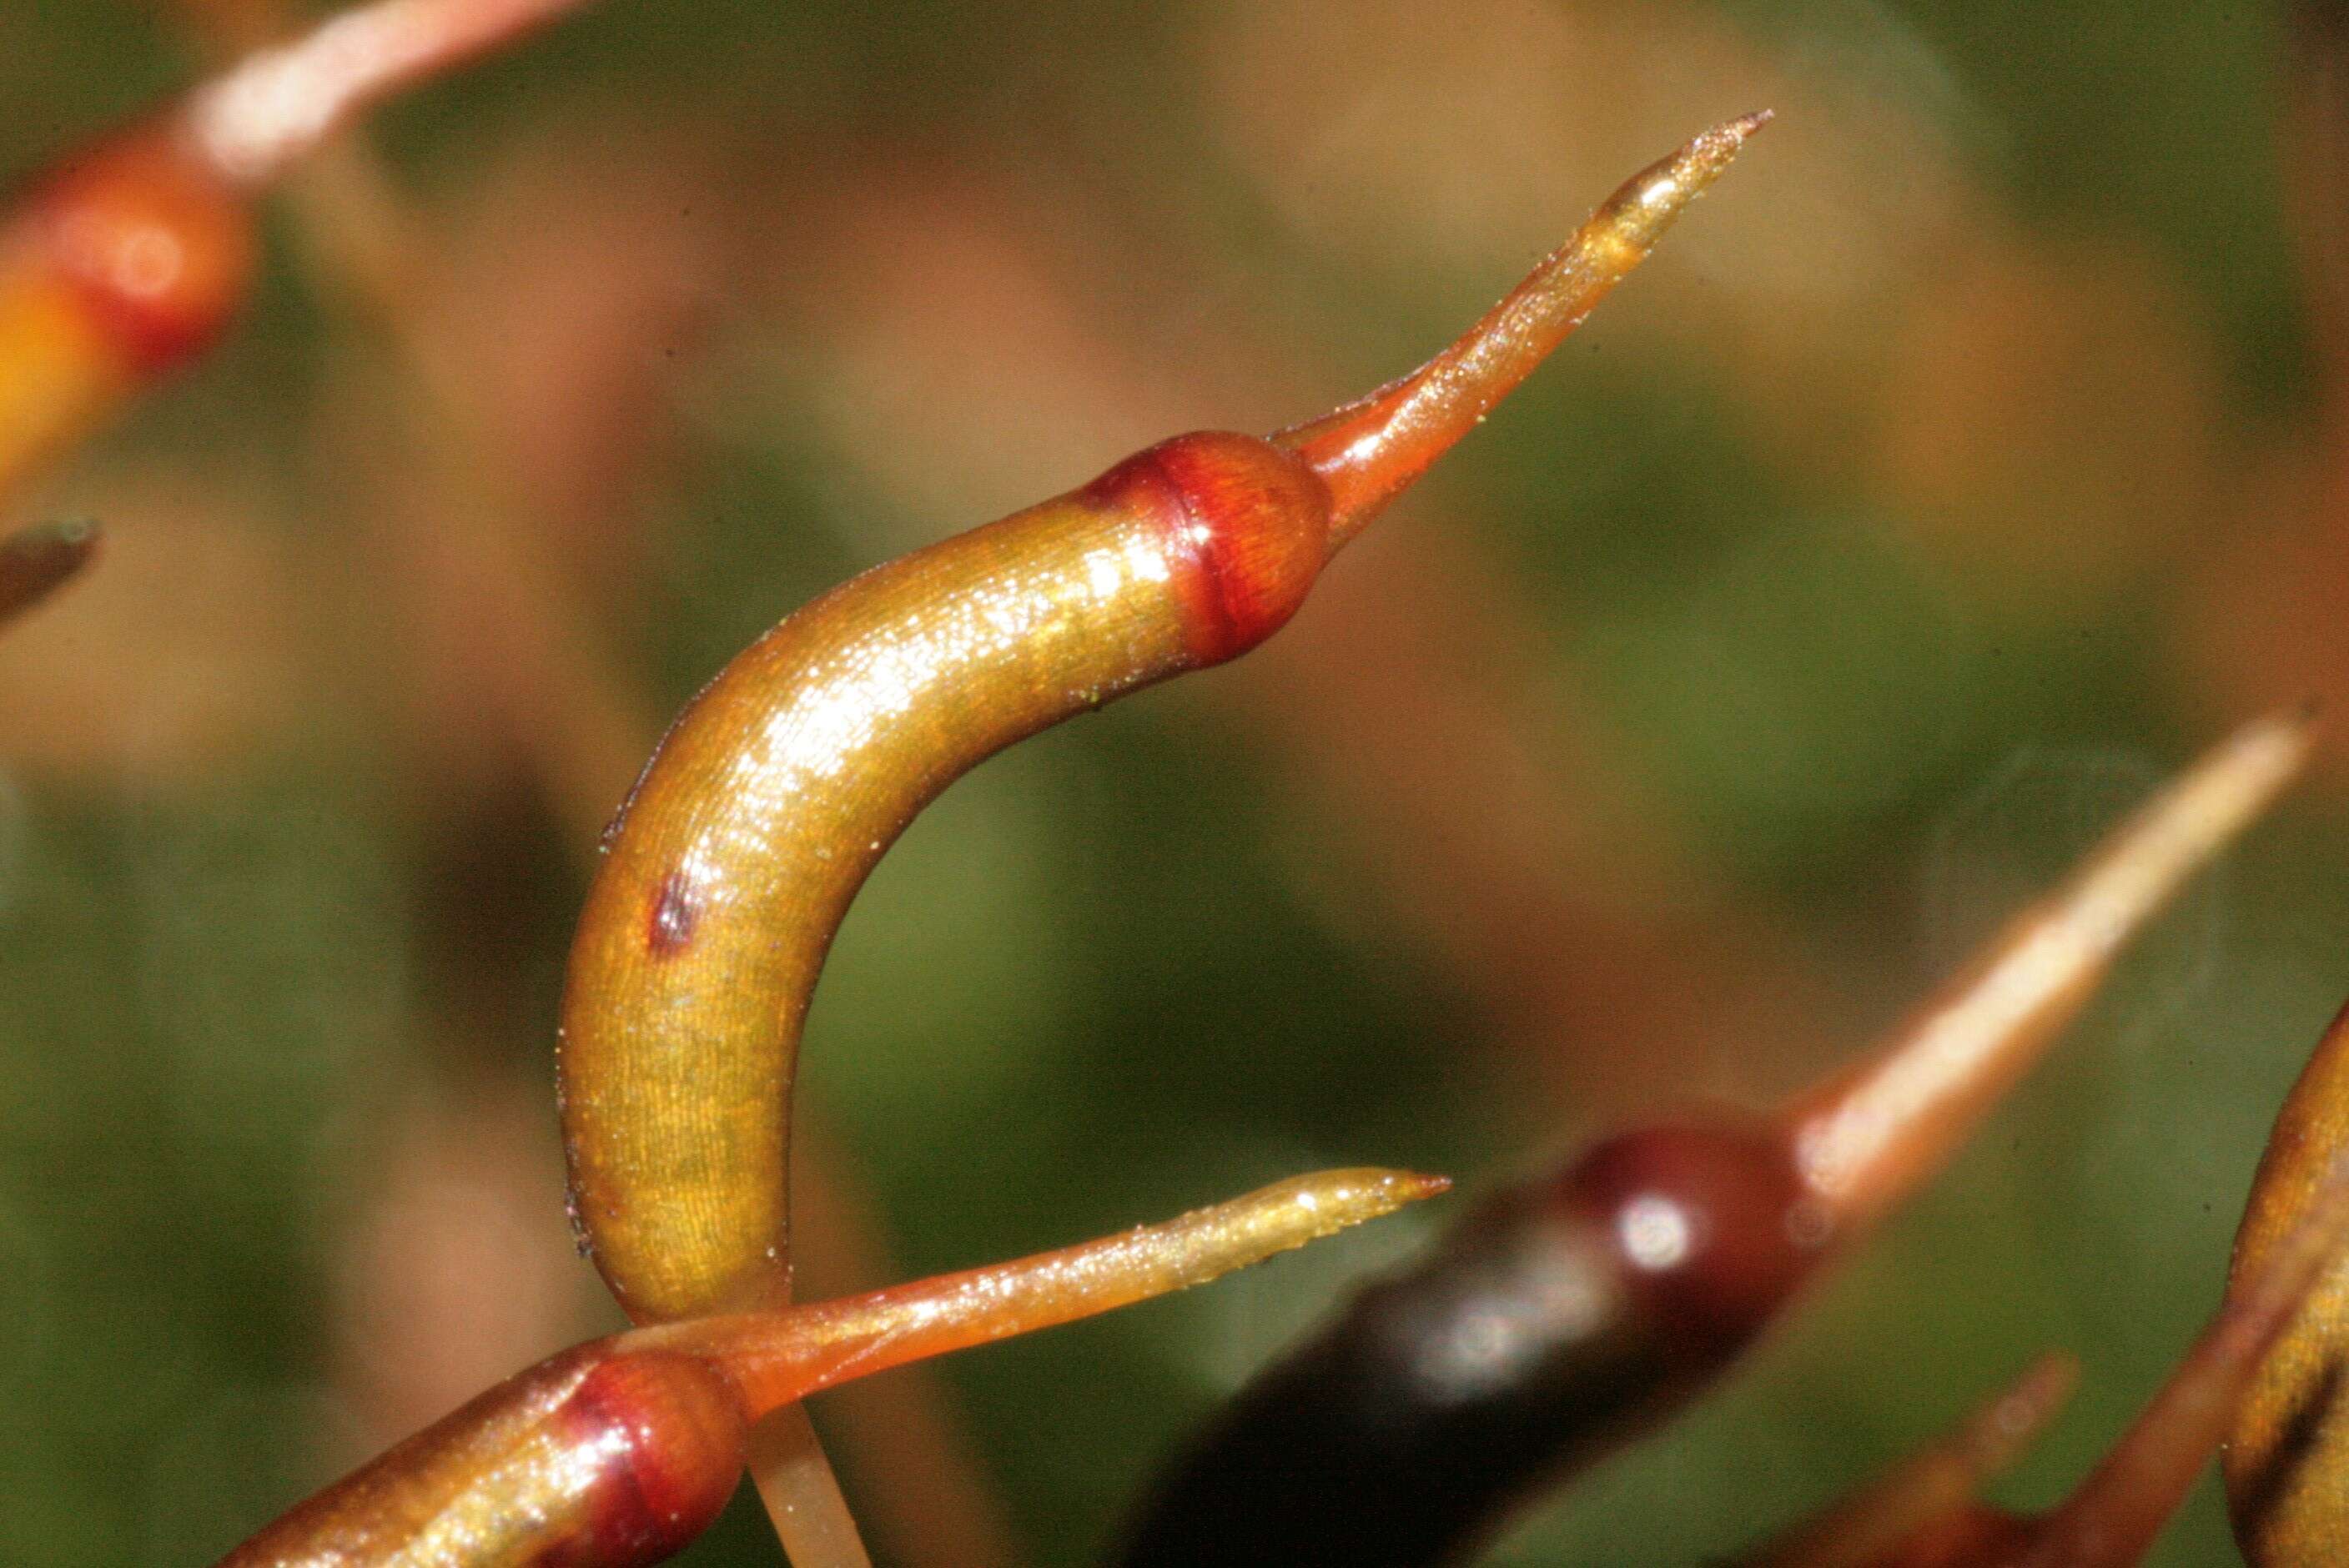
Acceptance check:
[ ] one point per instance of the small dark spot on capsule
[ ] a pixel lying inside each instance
(677, 910)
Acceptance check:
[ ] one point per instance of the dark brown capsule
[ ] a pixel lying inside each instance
(1563, 1311)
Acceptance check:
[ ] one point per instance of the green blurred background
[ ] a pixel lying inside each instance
(1969, 460)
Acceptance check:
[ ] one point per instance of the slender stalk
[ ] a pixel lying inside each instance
(268, 111)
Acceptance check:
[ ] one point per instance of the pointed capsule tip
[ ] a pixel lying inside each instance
(1727, 138)
(2277, 744)
(1416, 1187)
(1868, 1137)
(1700, 163)
(1371, 451)
(36, 562)
(76, 532)
(1369, 1192)
(1328, 1202)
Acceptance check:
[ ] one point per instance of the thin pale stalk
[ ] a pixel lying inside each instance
(801, 1494)
(274, 107)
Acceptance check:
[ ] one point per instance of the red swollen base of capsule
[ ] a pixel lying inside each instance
(155, 247)
(672, 1441)
(1247, 526)
(1712, 1226)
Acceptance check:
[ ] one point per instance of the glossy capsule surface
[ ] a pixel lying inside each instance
(734, 860)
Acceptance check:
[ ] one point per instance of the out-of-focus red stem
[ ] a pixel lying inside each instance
(1926, 1512)
(1933, 1484)
(2314, 138)
(2112, 1519)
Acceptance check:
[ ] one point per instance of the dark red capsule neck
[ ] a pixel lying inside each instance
(1711, 1229)
(669, 1440)
(156, 248)
(1245, 527)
